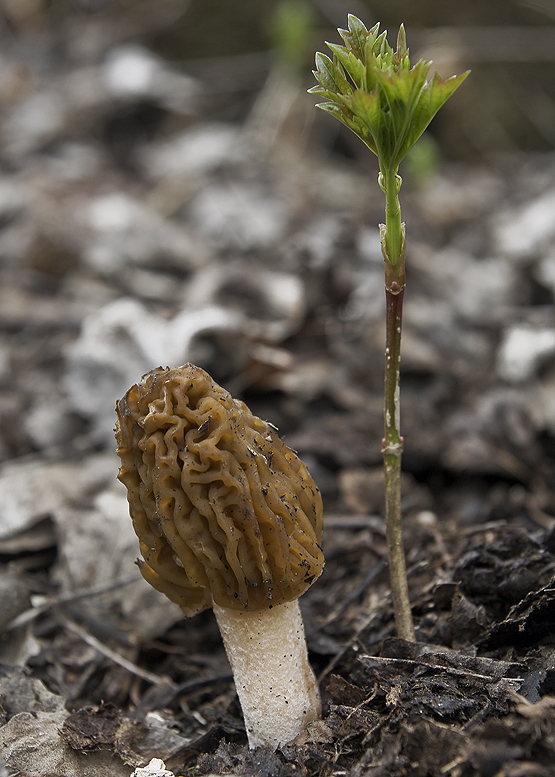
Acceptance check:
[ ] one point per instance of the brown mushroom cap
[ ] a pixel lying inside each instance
(224, 511)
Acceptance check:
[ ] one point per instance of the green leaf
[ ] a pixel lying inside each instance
(357, 34)
(331, 76)
(352, 66)
(402, 51)
(374, 91)
(324, 72)
(366, 105)
(440, 91)
(382, 49)
(351, 121)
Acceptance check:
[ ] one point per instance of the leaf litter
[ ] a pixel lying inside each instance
(113, 259)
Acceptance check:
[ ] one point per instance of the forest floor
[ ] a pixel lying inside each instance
(139, 228)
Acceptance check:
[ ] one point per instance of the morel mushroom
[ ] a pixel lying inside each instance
(227, 517)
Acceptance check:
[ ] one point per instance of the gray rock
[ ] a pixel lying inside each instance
(239, 216)
(21, 693)
(194, 152)
(121, 342)
(31, 743)
(524, 231)
(31, 489)
(523, 350)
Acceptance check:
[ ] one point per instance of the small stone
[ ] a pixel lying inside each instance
(198, 150)
(239, 216)
(524, 231)
(156, 768)
(130, 70)
(522, 351)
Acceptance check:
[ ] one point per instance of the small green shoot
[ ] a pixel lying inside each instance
(291, 27)
(374, 91)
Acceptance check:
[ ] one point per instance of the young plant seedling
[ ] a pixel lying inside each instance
(374, 91)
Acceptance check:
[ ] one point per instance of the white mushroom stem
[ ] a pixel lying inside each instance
(275, 683)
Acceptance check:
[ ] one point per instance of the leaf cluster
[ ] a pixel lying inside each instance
(374, 91)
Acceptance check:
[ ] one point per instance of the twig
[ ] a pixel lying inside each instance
(373, 573)
(414, 663)
(53, 601)
(113, 655)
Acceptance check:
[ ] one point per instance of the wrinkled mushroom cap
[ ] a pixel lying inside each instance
(224, 511)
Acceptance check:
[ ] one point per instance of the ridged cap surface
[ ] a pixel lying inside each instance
(225, 512)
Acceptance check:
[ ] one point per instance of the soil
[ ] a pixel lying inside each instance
(140, 225)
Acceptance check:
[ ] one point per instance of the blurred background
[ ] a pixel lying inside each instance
(168, 192)
(508, 104)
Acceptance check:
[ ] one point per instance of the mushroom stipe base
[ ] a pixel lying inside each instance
(275, 683)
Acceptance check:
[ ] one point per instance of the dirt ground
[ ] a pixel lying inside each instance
(140, 226)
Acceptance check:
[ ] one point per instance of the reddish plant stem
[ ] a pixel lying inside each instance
(392, 447)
